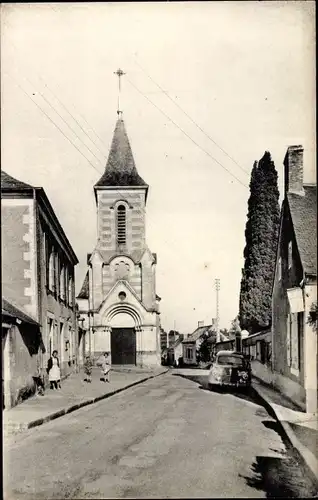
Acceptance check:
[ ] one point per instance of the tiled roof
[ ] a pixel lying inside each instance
(303, 211)
(120, 168)
(84, 290)
(201, 330)
(8, 182)
(12, 311)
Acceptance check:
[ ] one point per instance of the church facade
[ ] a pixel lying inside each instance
(118, 300)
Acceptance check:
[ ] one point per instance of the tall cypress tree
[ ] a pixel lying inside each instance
(261, 235)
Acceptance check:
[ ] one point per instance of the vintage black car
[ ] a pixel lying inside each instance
(230, 369)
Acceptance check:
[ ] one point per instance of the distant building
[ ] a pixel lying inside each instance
(118, 299)
(193, 341)
(37, 284)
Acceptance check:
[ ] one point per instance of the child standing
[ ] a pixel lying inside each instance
(88, 366)
(105, 362)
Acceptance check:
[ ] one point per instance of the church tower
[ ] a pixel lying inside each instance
(119, 291)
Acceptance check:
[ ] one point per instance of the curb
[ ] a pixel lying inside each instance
(70, 409)
(304, 454)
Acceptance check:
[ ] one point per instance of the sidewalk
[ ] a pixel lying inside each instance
(300, 428)
(74, 394)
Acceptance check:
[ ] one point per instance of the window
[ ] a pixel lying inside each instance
(279, 270)
(189, 353)
(290, 254)
(57, 273)
(70, 291)
(62, 341)
(51, 271)
(230, 360)
(45, 260)
(62, 283)
(66, 284)
(288, 340)
(294, 342)
(50, 335)
(121, 225)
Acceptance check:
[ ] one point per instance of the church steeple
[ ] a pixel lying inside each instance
(120, 286)
(120, 168)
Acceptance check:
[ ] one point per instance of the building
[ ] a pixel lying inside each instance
(20, 333)
(294, 341)
(37, 281)
(175, 351)
(163, 339)
(193, 341)
(118, 300)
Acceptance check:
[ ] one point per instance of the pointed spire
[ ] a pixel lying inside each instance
(120, 168)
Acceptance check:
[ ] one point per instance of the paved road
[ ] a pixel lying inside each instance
(166, 438)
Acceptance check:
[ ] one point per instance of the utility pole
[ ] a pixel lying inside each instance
(217, 288)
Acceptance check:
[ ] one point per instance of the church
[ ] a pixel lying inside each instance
(118, 300)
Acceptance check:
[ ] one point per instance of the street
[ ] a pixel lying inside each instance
(168, 437)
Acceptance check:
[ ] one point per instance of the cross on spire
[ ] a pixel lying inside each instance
(119, 73)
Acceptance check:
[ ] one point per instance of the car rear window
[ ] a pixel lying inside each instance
(230, 360)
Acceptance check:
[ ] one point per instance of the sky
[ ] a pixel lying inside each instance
(242, 76)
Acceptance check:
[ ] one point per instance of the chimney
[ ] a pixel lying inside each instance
(293, 164)
(200, 324)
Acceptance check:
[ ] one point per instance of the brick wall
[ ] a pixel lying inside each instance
(107, 202)
(294, 171)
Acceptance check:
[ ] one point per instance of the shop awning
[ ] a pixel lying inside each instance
(296, 300)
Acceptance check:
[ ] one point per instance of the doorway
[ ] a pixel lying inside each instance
(123, 346)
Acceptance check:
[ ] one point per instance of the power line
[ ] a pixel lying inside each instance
(52, 121)
(71, 128)
(61, 103)
(139, 211)
(191, 119)
(142, 213)
(186, 134)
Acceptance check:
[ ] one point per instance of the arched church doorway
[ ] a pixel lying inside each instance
(123, 340)
(123, 346)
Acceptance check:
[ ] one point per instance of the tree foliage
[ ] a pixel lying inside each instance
(312, 317)
(204, 350)
(261, 235)
(235, 328)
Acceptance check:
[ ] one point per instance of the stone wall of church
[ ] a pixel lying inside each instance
(134, 201)
(132, 275)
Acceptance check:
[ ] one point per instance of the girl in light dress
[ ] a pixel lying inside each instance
(105, 363)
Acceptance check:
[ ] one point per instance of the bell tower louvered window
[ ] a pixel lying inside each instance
(121, 225)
